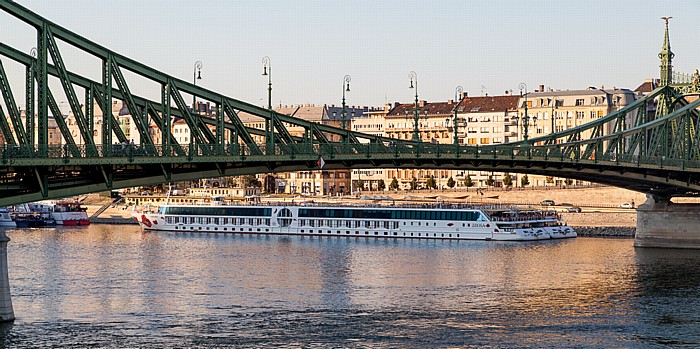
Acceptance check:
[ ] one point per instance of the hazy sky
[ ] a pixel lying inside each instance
(484, 46)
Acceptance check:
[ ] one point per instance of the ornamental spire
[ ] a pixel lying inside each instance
(666, 57)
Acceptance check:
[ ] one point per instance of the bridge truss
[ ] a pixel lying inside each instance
(635, 147)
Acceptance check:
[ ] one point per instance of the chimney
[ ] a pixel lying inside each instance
(422, 103)
(465, 94)
(541, 88)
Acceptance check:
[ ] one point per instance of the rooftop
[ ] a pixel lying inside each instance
(488, 104)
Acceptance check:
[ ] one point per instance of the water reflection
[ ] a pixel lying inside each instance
(116, 286)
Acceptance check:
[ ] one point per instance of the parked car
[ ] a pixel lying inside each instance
(574, 209)
(626, 205)
(547, 203)
(565, 204)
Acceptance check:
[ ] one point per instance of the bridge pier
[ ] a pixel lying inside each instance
(6, 311)
(661, 223)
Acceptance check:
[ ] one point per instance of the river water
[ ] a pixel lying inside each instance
(116, 287)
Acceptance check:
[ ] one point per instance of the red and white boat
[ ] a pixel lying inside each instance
(70, 213)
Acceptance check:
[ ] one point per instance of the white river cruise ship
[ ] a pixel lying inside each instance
(443, 221)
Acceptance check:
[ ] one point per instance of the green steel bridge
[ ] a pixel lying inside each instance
(650, 146)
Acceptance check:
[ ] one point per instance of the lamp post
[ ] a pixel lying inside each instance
(416, 135)
(196, 75)
(522, 87)
(269, 123)
(554, 109)
(267, 71)
(346, 88)
(458, 93)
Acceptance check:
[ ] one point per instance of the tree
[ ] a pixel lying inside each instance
(508, 180)
(451, 183)
(414, 183)
(468, 182)
(490, 182)
(549, 179)
(568, 181)
(381, 185)
(524, 181)
(270, 186)
(394, 184)
(360, 185)
(430, 183)
(251, 181)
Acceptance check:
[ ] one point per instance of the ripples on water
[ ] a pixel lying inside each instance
(113, 286)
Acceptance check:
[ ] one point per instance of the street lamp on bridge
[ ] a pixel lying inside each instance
(526, 120)
(269, 123)
(346, 88)
(553, 116)
(458, 94)
(416, 135)
(267, 71)
(196, 75)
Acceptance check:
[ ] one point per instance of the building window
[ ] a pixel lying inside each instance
(579, 102)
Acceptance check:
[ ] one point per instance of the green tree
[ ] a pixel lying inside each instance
(468, 182)
(394, 184)
(524, 181)
(508, 180)
(451, 182)
(381, 185)
(360, 185)
(414, 183)
(490, 182)
(430, 183)
(251, 181)
(549, 179)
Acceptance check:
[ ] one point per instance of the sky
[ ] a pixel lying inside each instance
(487, 47)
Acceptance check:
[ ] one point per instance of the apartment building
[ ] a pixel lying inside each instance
(552, 111)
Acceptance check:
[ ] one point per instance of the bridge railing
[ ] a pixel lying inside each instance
(560, 153)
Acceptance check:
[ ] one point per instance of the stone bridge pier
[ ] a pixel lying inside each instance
(6, 311)
(661, 223)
